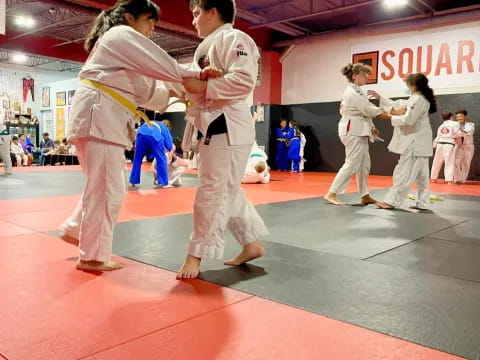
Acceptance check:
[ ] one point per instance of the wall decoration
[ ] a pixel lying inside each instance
(370, 59)
(47, 120)
(61, 98)
(46, 96)
(260, 109)
(71, 93)
(60, 123)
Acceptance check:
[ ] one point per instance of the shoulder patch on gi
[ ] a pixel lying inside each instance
(241, 50)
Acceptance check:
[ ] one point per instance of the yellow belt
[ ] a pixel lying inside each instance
(121, 100)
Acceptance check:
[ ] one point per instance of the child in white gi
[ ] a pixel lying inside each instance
(444, 145)
(5, 141)
(355, 130)
(228, 132)
(257, 170)
(464, 147)
(20, 154)
(412, 139)
(303, 142)
(118, 76)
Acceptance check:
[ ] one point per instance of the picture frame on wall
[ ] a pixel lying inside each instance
(71, 94)
(61, 98)
(46, 96)
(370, 59)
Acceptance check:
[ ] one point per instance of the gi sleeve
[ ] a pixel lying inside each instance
(159, 99)
(470, 128)
(362, 104)
(239, 55)
(140, 54)
(415, 108)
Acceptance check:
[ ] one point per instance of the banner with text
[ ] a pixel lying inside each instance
(449, 59)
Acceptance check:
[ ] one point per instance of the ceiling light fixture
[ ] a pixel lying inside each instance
(394, 3)
(20, 58)
(25, 21)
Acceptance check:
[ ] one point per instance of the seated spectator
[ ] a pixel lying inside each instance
(55, 150)
(26, 144)
(45, 146)
(19, 152)
(64, 147)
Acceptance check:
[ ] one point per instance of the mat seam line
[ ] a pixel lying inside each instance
(407, 243)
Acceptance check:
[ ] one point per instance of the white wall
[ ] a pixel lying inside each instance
(311, 71)
(13, 86)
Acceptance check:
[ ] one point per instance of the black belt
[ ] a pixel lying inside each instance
(216, 127)
(445, 143)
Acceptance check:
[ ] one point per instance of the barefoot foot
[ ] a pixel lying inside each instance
(367, 199)
(249, 252)
(69, 239)
(384, 206)
(98, 265)
(190, 268)
(332, 199)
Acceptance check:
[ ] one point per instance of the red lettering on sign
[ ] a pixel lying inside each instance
(465, 58)
(391, 74)
(408, 54)
(444, 61)
(428, 68)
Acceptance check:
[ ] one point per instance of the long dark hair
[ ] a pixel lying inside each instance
(116, 16)
(420, 81)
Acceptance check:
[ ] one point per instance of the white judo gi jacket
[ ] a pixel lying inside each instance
(235, 53)
(128, 63)
(466, 134)
(251, 175)
(412, 127)
(447, 132)
(357, 113)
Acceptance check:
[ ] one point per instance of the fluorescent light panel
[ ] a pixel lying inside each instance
(19, 58)
(394, 3)
(25, 21)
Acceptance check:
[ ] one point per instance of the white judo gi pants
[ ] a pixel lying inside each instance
(444, 153)
(94, 218)
(220, 202)
(463, 159)
(357, 161)
(22, 159)
(410, 169)
(5, 153)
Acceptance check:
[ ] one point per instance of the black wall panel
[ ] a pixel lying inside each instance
(324, 151)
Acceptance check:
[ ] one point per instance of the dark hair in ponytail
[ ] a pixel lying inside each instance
(420, 81)
(446, 115)
(116, 16)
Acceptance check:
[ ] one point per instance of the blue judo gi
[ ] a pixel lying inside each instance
(154, 140)
(282, 160)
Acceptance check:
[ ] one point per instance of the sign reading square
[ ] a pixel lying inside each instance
(370, 59)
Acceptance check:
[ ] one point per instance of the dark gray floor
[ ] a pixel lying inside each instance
(386, 271)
